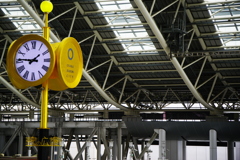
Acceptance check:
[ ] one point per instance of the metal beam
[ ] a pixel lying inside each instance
(211, 2)
(175, 62)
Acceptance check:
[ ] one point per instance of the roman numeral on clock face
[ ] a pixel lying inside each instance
(26, 74)
(40, 47)
(26, 47)
(45, 68)
(45, 52)
(47, 60)
(21, 68)
(40, 74)
(20, 52)
(33, 44)
(33, 76)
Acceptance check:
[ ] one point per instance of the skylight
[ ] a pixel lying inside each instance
(226, 19)
(21, 19)
(131, 29)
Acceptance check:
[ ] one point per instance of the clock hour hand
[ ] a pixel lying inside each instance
(34, 59)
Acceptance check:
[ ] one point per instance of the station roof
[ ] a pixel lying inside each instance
(138, 55)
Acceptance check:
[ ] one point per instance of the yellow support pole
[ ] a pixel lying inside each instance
(46, 7)
(46, 29)
(43, 151)
(44, 106)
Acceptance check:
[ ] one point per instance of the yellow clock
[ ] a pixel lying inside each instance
(69, 65)
(30, 61)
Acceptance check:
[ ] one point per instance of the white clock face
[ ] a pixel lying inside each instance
(32, 60)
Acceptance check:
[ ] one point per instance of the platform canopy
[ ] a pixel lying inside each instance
(139, 55)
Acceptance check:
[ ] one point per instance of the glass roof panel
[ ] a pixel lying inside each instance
(23, 22)
(225, 19)
(133, 31)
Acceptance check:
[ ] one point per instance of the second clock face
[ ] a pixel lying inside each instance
(32, 60)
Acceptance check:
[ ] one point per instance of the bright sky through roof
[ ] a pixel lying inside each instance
(219, 14)
(133, 31)
(21, 24)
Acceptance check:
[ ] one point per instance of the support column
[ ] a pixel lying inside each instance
(119, 141)
(110, 150)
(87, 151)
(184, 150)
(115, 147)
(126, 147)
(142, 147)
(237, 150)
(59, 134)
(20, 142)
(213, 144)
(2, 140)
(99, 144)
(176, 149)
(230, 150)
(162, 143)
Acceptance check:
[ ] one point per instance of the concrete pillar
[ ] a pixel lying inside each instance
(87, 151)
(230, 148)
(162, 143)
(142, 147)
(115, 147)
(184, 150)
(119, 141)
(2, 141)
(99, 144)
(20, 143)
(110, 148)
(176, 149)
(237, 151)
(114, 137)
(59, 134)
(213, 144)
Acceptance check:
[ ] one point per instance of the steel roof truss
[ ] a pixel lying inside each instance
(224, 91)
(128, 97)
(61, 14)
(211, 90)
(108, 72)
(220, 2)
(206, 81)
(74, 18)
(122, 92)
(190, 41)
(179, 99)
(90, 54)
(163, 8)
(188, 65)
(147, 95)
(163, 43)
(114, 84)
(98, 65)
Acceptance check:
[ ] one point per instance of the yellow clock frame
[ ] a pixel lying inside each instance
(14, 77)
(69, 65)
